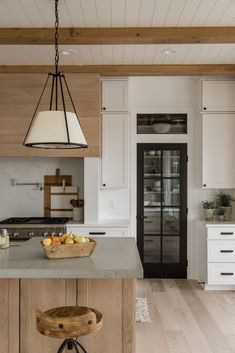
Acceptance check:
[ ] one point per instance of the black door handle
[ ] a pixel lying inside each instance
(141, 217)
(97, 233)
(226, 250)
(226, 233)
(226, 273)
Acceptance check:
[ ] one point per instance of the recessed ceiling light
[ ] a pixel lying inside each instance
(168, 51)
(68, 51)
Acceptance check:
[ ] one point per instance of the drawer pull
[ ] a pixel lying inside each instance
(148, 240)
(226, 251)
(226, 273)
(97, 233)
(148, 222)
(226, 233)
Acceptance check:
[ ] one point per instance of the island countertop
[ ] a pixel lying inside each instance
(112, 258)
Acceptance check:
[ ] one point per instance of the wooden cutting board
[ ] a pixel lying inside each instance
(53, 180)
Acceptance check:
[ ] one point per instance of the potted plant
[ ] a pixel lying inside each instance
(220, 214)
(224, 201)
(209, 210)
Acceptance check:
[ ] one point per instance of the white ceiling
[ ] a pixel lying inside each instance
(119, 54)
(119, 13)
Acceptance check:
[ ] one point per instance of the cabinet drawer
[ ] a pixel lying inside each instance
(221, 233)
(98, 232)
(221, 273)
(221, 251)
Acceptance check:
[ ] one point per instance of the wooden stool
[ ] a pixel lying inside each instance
(69, 322)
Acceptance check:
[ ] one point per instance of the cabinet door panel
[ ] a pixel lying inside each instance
(114, 96)
(42, 294)
(218, 167)
(114, 150)
(218, 96)
(9, 311)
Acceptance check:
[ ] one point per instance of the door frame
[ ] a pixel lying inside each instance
(169, 270)
(195, 266)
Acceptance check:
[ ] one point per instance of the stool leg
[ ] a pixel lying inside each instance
(63, 346)
(70, 344)
(76, 348)
(79, 344)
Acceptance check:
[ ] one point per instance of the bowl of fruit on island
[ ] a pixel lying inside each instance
(68, 245)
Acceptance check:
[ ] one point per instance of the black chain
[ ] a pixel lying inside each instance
(56, 36)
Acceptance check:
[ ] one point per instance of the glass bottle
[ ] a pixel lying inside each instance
(4, 241)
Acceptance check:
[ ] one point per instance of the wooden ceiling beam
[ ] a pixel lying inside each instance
(129, 70)
(141, 35)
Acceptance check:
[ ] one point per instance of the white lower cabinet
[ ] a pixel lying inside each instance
(221, 273)
(98, 231)
(220, 255)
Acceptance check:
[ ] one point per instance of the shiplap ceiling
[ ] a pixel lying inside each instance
(119, 13)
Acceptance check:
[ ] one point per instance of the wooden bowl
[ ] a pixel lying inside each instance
(68, 321)
(64, 251)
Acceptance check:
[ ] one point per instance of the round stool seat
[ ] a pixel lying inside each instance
(68, 321)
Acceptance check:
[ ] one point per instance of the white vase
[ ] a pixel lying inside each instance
(78, 214)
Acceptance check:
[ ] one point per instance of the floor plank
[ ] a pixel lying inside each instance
(185, 318)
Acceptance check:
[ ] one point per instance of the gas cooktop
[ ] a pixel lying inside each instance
(35, 220)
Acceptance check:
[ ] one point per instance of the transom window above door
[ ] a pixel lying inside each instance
(162, 123)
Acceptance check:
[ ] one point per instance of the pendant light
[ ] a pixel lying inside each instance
(55, 128)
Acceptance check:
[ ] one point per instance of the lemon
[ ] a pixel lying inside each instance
(79, 239)
(47, 242)
(68, 240)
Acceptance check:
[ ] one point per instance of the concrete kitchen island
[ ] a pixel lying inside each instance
(105, 281)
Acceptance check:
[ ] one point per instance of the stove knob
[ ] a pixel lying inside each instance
(45, 234)
(15, 234)
(31, 234)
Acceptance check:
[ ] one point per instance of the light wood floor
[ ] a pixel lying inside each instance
(185, 318)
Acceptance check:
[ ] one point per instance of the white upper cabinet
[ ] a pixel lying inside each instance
(114, 151)
(218, 148)
(218, 96)
(115, 96)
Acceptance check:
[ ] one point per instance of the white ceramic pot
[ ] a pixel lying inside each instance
(78, 214)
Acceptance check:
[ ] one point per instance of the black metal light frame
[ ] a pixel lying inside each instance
(71, 343)
(58, 79)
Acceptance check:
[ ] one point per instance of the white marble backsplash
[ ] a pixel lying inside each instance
(21, 201)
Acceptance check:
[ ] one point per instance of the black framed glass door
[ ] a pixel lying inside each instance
(162, 209)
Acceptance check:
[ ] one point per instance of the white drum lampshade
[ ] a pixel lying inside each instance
(49, 130)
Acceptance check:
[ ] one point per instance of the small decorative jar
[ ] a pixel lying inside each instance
(4, 239)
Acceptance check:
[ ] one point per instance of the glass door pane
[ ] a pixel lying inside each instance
(152, 249)
(171, 192)
(171, 220)
(171, 164)
(152, 221)
(170, 250)
(152, 174)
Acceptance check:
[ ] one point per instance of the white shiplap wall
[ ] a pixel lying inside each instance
(26, 201)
